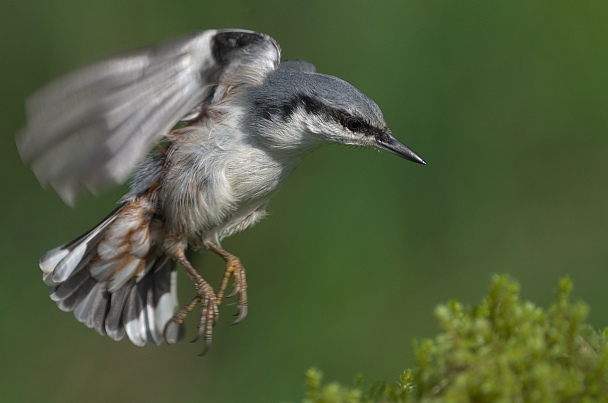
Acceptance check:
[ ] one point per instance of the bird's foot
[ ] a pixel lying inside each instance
(209, 308)
(235, 269)
(209, 314)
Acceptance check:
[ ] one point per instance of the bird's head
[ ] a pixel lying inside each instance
(301, 108)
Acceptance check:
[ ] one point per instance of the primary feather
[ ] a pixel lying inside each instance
(91, 128)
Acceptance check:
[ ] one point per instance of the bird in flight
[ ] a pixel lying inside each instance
(209, 126)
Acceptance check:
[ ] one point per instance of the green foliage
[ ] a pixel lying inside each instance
(503, 350)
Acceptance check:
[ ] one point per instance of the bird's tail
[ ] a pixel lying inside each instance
(115, 278)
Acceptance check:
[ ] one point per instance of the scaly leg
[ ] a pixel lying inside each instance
(209, 308)
(234, 268)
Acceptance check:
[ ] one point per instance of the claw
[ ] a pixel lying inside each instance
(205, 329)
(174, 329)
(235, 289)
(202, 320)
(206, 348)
(242, 314)
(202, 326)
(196, 338)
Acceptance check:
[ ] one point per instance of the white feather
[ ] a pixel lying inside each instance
(67, 265)
(109, 248)
(123, 275)
(132, 329)
(117, 335)
(166, 306)
(102, 270)
(50, 260)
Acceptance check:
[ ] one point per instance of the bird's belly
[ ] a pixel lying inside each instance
(242, 219)
(255, 175)
(253, 181)
(213, 202)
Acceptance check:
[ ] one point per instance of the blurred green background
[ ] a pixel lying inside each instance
(506, 101)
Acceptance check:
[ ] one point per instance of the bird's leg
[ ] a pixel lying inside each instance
(234, 268)
(209, 308)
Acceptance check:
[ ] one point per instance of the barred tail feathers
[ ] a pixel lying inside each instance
(114, 278)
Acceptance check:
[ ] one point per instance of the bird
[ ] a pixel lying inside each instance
(208, 126)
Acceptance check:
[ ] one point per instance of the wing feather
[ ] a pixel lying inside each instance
(91, 128)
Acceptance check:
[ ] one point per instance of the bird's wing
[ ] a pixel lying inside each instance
(90, 129)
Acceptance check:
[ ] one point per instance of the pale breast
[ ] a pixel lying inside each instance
(254, 176)
(218, 178)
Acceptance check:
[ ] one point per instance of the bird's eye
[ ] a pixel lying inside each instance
(353, 124)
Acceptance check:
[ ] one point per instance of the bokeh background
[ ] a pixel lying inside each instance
(507, 102)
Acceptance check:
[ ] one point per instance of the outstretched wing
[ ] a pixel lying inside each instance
(92, 127)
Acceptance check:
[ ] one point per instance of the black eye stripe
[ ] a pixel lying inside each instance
(311, 105)
(357, 125)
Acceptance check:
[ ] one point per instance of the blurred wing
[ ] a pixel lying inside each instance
(92, 127)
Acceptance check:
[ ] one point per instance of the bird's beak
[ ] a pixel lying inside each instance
(391, 144)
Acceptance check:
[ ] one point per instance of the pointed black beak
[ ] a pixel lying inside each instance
(389, 143)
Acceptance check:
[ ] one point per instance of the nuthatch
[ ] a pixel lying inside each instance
(230, 123)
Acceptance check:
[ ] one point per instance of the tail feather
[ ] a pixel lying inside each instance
(92, 306)
(134, 326)
(60, 263)
(63, 291)
(114, 325)
(113, 278)
(151, 303)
